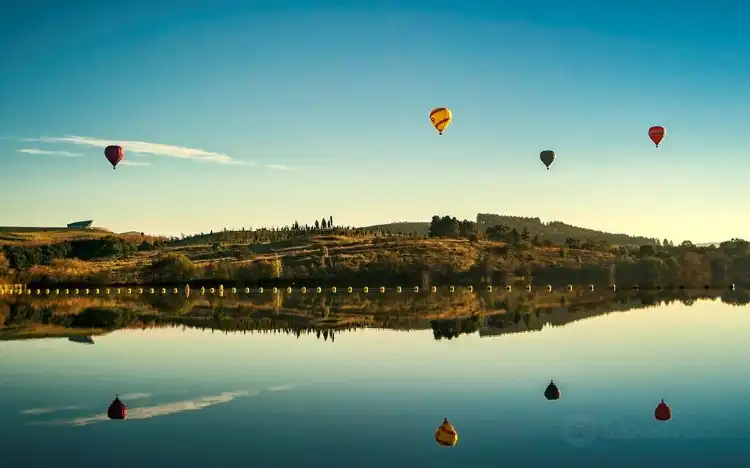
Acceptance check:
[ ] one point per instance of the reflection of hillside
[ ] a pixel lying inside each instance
(448, 315)
(555, 317)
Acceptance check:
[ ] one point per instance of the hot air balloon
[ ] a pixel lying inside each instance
(547, 157)
(117, 410)
(663, 412)
(446, 434)
(657, 134)
(114, 155)
(552, 392)
(441, 117)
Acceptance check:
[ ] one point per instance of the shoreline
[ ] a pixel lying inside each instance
(361, 260)
(46, 289)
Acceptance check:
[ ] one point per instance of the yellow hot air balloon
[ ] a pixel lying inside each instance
(441, 117)
(446, 434)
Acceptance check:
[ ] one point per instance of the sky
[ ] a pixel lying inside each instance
(258, 113)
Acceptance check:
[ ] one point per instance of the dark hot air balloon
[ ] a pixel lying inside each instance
(552, 392)
(547, 157)
(657, 134)
(663, 412)
(114, 155)
(117, 410)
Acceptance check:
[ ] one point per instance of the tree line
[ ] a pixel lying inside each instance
(243, 235)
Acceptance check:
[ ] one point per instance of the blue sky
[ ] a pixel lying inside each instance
(297, 110)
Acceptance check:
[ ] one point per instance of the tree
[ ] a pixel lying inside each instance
(498, 232)
(514, 238)
(444, 227)
(171, 268)
(317, 225)
(277, 268)
(647, 251)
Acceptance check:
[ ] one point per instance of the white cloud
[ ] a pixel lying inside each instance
(50, 153)
(281, 388)
(156, 149)
(279, 167)
(126, 162)
(153, 411)
(37, 411)
(134, 396)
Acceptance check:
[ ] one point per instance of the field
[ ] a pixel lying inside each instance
(305, 256)
(47, 235)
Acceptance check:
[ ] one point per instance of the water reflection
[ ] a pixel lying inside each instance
(224, 397)
(448, 315)
(146, 412)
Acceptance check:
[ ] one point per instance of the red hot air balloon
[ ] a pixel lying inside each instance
(552, 392)
(114, 154)
(117, 410)
(657, 134)
(663, 412)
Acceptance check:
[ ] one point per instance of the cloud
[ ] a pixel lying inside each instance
(156, 149)
(50, 153)
(153, 411)
(279, 167)
(36, 411)
(126, 162)
(134, 396)
(281, 388)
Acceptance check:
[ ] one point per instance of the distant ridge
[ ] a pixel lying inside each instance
(555, 231)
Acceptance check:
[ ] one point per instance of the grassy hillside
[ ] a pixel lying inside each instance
(555, 231)
(524, 251)
(46, 235)
(404, 227)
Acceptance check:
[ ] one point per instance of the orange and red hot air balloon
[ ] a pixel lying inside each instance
(114, 154)
(117, 410)
(663, 412)
(657, 134)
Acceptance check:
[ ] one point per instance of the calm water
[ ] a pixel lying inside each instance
(374, 398)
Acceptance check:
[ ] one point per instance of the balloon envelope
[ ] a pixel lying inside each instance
(441, 117)
(114, 154)
(547, 157)
(117, 410)
(552, 392)
(663, 412)
(657, 134)
(446, 434)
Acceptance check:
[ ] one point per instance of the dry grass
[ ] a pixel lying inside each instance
(357, 252)
(30, 236)
(386, 253)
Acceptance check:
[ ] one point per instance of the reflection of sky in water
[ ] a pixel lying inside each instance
(374, 398)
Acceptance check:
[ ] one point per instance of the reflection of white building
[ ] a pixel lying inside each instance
(81, 224)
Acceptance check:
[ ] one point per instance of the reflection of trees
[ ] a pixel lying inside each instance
(325, 316)
(452, 328)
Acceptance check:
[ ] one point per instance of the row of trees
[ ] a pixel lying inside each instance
(276, 234)
(21, 257)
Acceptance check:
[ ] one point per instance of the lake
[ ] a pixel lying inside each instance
(336, 393)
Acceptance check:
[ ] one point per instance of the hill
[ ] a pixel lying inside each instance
(555, 231)
(45, 235)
